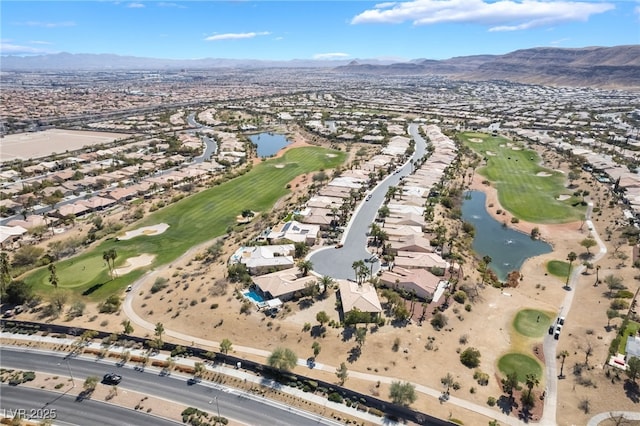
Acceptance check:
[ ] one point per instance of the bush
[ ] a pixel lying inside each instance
(515, 220)
(159, 284)
(470, 357)
(623, 294)
(335, 397)
(491, 401)
(439, 321)
(460, 296)
(619, 304)
(111, 305)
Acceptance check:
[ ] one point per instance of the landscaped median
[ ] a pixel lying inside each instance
(191, 221)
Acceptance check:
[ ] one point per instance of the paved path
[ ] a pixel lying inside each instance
(550, 344)
(629, 415)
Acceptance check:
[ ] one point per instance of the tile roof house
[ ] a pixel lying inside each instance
(282, 284)
(294, 231)
(418, 281)
(361, 297)
(261, 259)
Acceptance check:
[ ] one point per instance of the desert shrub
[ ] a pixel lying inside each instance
(470, 357)
(491, 401)
(111, 305)
(335, 397)
(159, 284)
(460, 296)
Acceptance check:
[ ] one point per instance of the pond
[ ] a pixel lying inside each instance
(269, 143)
(507, 247)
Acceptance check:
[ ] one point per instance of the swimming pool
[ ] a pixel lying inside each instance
(253, 296)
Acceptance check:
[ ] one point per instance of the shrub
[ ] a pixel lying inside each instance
(111, 305)
(470, 357)
(515, 220)
(335, 397)
(439, 321)
(159, 284)
(618, 304)
(460, 296)
(491, 401)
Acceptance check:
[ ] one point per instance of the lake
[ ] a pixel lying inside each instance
(269, 143)
(507, 247)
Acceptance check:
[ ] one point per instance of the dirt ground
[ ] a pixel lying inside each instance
(201, 303)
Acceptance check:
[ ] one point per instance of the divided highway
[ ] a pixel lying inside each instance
(234, 404)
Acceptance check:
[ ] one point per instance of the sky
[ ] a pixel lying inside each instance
(301, 29)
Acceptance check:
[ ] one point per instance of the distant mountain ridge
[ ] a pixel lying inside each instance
(94, 62)
(610, 67)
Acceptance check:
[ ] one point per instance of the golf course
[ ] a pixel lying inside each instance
(525, 188)
(191, 221)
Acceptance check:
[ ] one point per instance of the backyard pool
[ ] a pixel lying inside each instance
(253, 296)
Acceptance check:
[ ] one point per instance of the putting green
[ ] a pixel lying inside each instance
(531, 322)
(527, 190)
(558, 268)
(193, 220)
(520, 363)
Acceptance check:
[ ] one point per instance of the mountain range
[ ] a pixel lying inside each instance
(606, 67)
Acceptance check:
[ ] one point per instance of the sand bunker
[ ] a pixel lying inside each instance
(332, 155)
(543, 174)
(279, 166)
(563, 197)
(475, 140)
(134, 263)
(490, 154)
(147, 230)
(516, 148)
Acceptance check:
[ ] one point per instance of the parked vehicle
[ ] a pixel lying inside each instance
(112, 379)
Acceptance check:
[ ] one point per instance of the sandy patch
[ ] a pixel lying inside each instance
(146, 230)
(543, 174)
(135, 263)
(516, 148)
(563, 197)
(475, 140)
(490, 153)
(332, 155)
(279, 166)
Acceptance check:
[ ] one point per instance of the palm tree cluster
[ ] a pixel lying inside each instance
(109, 257)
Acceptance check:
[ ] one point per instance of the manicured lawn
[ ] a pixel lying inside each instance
(558, 268)
(514, 173)
(520, 363)
(193, 220)
(531, 322)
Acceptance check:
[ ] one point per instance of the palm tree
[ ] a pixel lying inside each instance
(360, 270)
(107, 258)
(325, 281)
(571, 257)
(487, 260)
(112, 257)
(563, 355)
(304, 266)
(532, 380)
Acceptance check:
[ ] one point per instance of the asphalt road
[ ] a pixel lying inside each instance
(337, 263)
(233, 404)
(40, 405)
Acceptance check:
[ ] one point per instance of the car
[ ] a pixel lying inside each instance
(560, 320)
(556, 333)
(112, 379)
(368, 197)
(339, 246)
(8, 314)
(129, 288)
(551, 328)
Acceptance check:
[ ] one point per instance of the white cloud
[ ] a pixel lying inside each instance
(235, 36)
(15, 49)
(135, 5)
(329, 56)
(165, 4)
(40, 42)
(501, 15)
(47, 24)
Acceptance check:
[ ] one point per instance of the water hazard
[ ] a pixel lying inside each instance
(507, 248)
(269, 143)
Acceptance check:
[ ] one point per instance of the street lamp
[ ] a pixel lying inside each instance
(218, 408)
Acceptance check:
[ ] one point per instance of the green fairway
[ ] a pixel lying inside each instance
(531, 322)
(526, 189)
(520, 363)
(558, 268)
(193, 220)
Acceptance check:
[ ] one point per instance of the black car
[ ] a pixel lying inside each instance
(111, 379)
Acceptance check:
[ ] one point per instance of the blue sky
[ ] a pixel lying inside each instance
(284, 30)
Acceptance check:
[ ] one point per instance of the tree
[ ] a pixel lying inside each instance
(300, 249)
(633, 368)
(510, 383)
(127, 327)
(18, 293)
(487, 260)
(531, 381)
(361, 271)
(316, 349)
(564, 354)
(361, 336)
(225, 346)
(613, 283)
(325, 281)
(571, 257)
(198, 370)
(5, 273)
(107, 259)
(470, 357)
(322, 318)
(402, 393)
(159, 331)
(342, 373)
(448, 381)
(53, 276)
(304, 266)
(587, 243)
(283, 359)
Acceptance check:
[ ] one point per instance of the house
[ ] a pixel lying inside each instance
(75, 209)
(362, 297)
(10, 234)
(420, 282)
(294, 231)
(412, 243)
(261, 259)
(284, 285)
(632, 349)
(410, 260)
